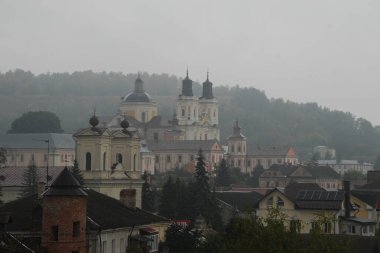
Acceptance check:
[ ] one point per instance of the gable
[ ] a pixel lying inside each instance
(274, 197)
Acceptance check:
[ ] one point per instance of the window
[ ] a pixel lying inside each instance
(134, 162)
(104, 160)
(157, 158)
(191, 157)
(327, 228)
(280, 201)
(232, 148)
(119, 158)
(270, 202)
(104, 246)
(352, 229)
(314, 226)
(32, 157)
(155, 136)
(21, 158)
(183, 112)
(205, 136)
(143, 116)
(113, 246)
(239, 148)
(179, 158)
(153, 243)
(88, 161)
(249, 163)
(54, 233)
(76, 227)
(168, 158)
(239, 163)
(45, 158)
(122, 245)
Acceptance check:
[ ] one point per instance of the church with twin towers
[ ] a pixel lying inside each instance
(195, 117)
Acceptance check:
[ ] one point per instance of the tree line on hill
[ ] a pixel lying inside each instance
(264, 121)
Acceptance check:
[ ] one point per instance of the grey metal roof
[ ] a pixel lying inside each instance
(37, 141)
(274, 150)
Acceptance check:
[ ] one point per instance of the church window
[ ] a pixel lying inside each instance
(157, 158)
(183, 112)
(119, 158)
(205, 136)
(239, 148)
(239, 162)
(134, 162)
(249, 163)
(32, 157)
(143, 116)
(179, 158)
(88, 161)
(214, 114)
(76, 226)
(168, 158)
(259, 162)
(104, 160)
(191, 157)
(21, 158)
(54, 233)
(155, 136)
(194, 113)
(232, 148)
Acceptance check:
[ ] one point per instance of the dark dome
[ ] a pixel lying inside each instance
(94, 121)
(124, 124)
(137, 97)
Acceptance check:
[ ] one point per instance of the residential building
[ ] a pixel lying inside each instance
(344, 166)
(281, 175)
(247, 158)
(308, 206)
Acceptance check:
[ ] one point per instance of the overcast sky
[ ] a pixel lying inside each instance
(325, 51)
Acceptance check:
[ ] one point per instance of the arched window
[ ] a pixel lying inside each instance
(143, 116)
(88, 161)
(239, 148)
(134, 162)
(119, 158)
(232, 148)
(104, 160)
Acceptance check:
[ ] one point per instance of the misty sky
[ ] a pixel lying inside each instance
(327, 51)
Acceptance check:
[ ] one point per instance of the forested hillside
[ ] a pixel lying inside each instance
(264, 121)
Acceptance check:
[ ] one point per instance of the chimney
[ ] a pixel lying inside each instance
(347, 202)
(128, 198)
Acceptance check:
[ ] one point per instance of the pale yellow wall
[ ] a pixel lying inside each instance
(136, 109)
(306, 217)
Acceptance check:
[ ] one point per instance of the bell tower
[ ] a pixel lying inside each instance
(64, 212)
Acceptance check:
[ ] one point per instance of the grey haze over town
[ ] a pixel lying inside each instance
(305, 51)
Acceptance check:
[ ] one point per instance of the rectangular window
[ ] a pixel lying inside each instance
(295, 225)
(76, 227)
(113, 246)
(249, 163)
(104, 247)
(21, 158)
(168, 158)
(54, 233)
(122, 245)
(352, 229)
(45, 158)
(157, 159)
(327, 228)
(154, 241)
(179, 158)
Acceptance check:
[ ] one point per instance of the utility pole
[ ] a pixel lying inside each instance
(47, 162)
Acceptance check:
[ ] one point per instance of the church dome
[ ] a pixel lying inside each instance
(138, 95)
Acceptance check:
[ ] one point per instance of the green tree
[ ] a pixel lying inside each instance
(223, 177)
(254, 179)
(30, 181)
(205, 203)
(36, 122)
(77, 173)
(148, 195)
(182, 239)
(167, 207)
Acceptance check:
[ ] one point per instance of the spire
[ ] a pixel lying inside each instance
(139, 88)
(187, 85)
(65, 185)
(207, 89)
(237, 131)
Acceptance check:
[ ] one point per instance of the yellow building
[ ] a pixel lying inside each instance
(110, 159)
(310, 205)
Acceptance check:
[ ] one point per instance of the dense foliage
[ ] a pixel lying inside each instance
(37, 122)
(264, 121)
